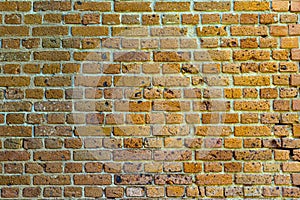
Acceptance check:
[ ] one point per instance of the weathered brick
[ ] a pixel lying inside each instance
(253, 179)
(211, 31)
(216, 179)
(175, 191)
(173, 179)
(172, 6)
(168, 31)
(92, 6)
(212, 6)
(251, 6)
(131, 179)
(92, 179)
(253, 155)
(14, 180)
(248, 30)
(90, 31)
(133, 7)
(213, 155)
(169, 155)
(49, 180)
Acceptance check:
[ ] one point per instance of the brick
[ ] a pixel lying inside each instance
(58, 130)
(91, 155)
(190, 19)
(230, 19)
(212, 6)
(129, 31)
(248, 30)
(205, 31)
(132, 179)
(110, 19)
(251, 6)
(290, 143)
(282, 179)
(290, 192)
(253, 179)
(130, 19)
(213, 155)
(91, 19)
(135, 192)
(295, 6)
(16, 56)
(214, 191)
(268, 18)
(52, 155)
(52, 55)
(133, 7)
(92, 6)
(167, 155)
(251, 80)
(93, 192)
(268, 42)
(114, 192)
(173, 179)
(14, 31)
(216, 179)
(279, 30)
(252, 131)
(131, 57)
(171, 6)
(171, 56)
(50, 30)
(168, 31)
(212, 167)
(10, 192)
(122, 155)
(288, 18)
(244, 55)
(48, 180)
(253, 155)
(14, 180)
(249, 18)
(175, 191)
(289, 42)
(252, 143)
(13, 143)
(52, 192)
(72, 19)
(170, 167)
(90, 31)
(31, 192)
(91, 56)
(280, 6)
(233, 191)
(92, 179)
(72, 192)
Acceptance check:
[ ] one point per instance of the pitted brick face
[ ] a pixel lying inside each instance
(144, 99)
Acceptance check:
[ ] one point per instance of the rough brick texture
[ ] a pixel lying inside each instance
(149, 99)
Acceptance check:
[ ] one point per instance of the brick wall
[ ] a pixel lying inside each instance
(149, 99)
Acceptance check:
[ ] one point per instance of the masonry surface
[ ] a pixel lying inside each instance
(149, 99)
